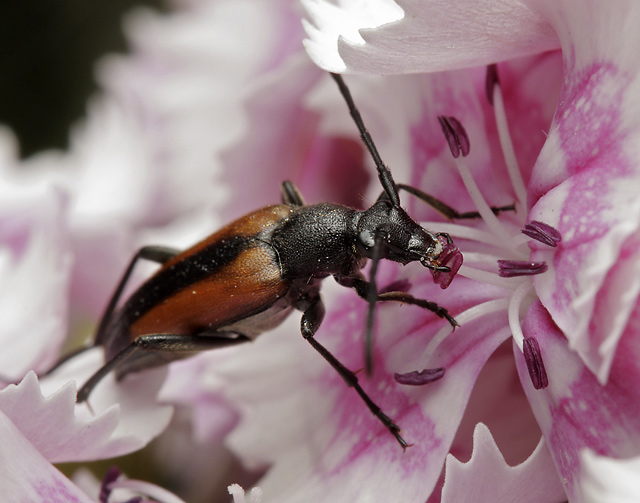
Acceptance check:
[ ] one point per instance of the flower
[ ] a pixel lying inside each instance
(304, 433)
(583, 315)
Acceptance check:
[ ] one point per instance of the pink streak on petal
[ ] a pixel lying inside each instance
(575, 411)
(27, 475)
(328, 427)
(596, 216)
(487, 478)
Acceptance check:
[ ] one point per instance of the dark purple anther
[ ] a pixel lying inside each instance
(455, 135)
(109, 478)
(491, 81)
(543, 233)
(535, 365)
(512, 268)
(416, 378)
(450, 257)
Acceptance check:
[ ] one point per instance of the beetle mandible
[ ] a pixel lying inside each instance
(273, 260)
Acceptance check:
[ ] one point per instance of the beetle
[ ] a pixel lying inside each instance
(247, 277)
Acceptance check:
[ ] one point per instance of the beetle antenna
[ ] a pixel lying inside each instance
(384, 174)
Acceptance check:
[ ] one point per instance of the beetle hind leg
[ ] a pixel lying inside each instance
(148, 351)
(311, 319)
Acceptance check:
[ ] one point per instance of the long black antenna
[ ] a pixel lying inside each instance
(384, 174)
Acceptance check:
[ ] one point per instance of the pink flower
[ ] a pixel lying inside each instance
(582, 310)
(195, 105)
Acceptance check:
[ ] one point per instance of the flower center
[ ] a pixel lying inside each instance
(504, 259)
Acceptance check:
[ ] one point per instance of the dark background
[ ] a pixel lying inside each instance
(48, 49)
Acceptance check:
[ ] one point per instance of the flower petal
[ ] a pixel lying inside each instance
(486, 477)
(328, 438)
(35, 263)
(411, 36)
(50, 424)
(27, 476)
(585, 180)
(610, 480)
(576, 411)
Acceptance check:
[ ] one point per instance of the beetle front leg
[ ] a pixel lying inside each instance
(311, 320)
(361, 286)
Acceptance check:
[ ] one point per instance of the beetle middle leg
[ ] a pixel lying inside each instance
(311, 320)
(157, 343)
(443, 208)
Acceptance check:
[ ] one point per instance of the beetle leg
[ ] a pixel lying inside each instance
(159, 343)
(159, 254)
(290, 194)
(444, 208)
(362, 288)
(311, 319)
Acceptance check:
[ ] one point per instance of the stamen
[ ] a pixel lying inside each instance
(515, 303)
(491, 81)
(535, 365)
(470, 314)
(481, 205)
(109, 478)
(455, 135)
(542, 232)
(512, 268)
(419, 378)
(503, 133)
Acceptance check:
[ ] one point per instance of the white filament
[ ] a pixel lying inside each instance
(507, 147)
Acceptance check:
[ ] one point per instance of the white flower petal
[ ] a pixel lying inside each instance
(486, 477)
(411, 36)
(610, 480)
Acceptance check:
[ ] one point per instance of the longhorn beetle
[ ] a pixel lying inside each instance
(247, 277)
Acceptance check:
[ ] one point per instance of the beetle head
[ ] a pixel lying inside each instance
(404, 241)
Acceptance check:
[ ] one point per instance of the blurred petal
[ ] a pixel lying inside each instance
(50, 423)
(610, 480)
(27, 476)
(35, 262)
(410, 36)
(486, 477)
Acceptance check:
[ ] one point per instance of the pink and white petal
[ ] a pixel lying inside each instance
(486, 477)
(321, 437)
(35, 263)
(27, 476)
(191, 383)
(584, 180)
(63, 432)
(411, 36)
(610, 480)
(575, 411)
